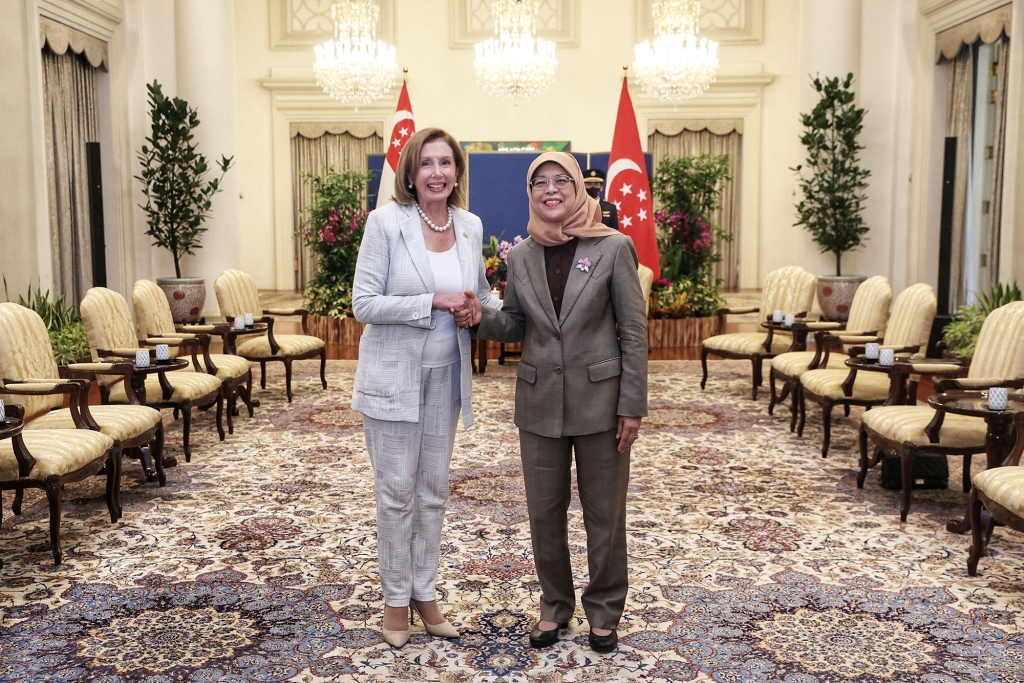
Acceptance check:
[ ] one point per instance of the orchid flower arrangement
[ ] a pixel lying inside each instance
(495, 253)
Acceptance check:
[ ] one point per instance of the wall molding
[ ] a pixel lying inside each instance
(469, 22)
(98, 18)
(301, 24)
(296, 98)
(732, 96)
(730, 22)
(945, 14)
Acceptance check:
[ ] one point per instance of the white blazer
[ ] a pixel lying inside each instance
(392, 293)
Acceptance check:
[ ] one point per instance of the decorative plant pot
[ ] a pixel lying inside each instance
(186, 295)
(346, 331)
(835, 295)
(673, 332)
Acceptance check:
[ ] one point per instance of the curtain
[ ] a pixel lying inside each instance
(987, 28)
(679, 139)
(315, 146)
(71, 118)
(959, 120)
(1002, 66)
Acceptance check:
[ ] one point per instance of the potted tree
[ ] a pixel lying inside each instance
(178, 195)
(833, 187)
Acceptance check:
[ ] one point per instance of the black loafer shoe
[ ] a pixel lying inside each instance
(604, 643)
(540, 639)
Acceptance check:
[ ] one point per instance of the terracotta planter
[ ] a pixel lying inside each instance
(672, 332)
(835, 295)
(336, 330)
(186, 295)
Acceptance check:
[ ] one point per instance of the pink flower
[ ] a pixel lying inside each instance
(584, 265)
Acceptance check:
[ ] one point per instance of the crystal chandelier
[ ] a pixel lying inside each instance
(677, 65)
(355, 67)
(515, 64)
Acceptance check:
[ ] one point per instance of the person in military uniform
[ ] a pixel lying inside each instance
(593, 180)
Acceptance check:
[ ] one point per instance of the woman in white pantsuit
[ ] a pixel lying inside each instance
(419, 260)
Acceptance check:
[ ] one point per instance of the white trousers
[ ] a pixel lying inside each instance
(410, 475)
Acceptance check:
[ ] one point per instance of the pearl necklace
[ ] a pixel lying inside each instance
(438, 228)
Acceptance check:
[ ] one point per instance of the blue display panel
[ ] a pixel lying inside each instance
(600, 161)
(375, 163)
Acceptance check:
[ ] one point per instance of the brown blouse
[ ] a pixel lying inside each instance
(558, 262)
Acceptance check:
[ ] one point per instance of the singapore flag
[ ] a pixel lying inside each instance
(628, 186)
(403, 128)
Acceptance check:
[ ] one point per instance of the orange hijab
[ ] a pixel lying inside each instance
(584, 221)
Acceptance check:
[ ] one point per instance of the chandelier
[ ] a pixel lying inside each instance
(677, 65)
(515, 64)
(355, 67)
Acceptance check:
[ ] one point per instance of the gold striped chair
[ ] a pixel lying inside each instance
(907, 331)
(48, 459)
(108, 324)
(237, 295)
(27, 356)
(646, 284)
(789, 289)
(155, 322)
(1000, 491)
(868, 314)
(908, 430)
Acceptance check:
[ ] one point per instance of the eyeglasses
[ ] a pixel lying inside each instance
(559, 181)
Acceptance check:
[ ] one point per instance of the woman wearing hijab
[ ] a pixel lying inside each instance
(419, 258)
(573, 298)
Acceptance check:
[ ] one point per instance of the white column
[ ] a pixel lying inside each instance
(205, 65)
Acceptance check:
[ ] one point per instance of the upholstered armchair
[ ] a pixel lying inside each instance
(1000, 491)
(789, 289)
(237, 295)
(909, 430)
(155, 322)
(907, 331)
(27, 356)
(646, 284)
(868, 313)
(108, 325)
(48, 459)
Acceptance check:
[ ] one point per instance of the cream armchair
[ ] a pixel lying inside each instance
(908, 430)
(908, 330)
(237, 295)
(868, 313)
(646, 284)
(27, 356)
(108, 324)
(789, 289)
(154, 319)
(48, 459)
(1000, 491)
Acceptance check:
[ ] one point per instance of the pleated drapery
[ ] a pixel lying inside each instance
(1002, 66)
(315, 146)
(688, 138)
(959, 120)
(71, 118)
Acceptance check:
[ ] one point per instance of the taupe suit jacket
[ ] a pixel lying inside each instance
(582, 370)
(392, 292)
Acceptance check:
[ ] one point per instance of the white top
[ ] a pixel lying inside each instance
(442, 345)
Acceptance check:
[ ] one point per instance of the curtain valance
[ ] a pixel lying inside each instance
(357, 129)
(672, 127)
(61, 37)
(988, 27)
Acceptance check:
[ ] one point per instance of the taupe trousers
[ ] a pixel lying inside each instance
(602, 474)
(410, 478)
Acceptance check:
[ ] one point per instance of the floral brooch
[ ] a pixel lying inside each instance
(584, 265)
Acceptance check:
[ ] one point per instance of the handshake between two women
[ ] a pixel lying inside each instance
(464, 306)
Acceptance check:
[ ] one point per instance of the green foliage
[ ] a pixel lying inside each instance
(178, 196)
(831, 180)
(688, 190)
(333, 229)
(961, 334)
(65, 329)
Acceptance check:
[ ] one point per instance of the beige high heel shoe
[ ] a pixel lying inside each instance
(442, 630)
(396, 639)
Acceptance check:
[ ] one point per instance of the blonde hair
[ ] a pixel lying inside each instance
(405, 191)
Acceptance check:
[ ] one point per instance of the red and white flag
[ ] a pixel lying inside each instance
(628, 186)
(403, 128)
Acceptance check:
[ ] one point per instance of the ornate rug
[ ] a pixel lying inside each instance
(752, 559)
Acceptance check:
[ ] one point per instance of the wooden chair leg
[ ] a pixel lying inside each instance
(977, 540)
(220, 414)
(114, 484)
(323, 367)
(772, 396)
(862, 439)
(967, 472)
(52, 488)
(794, 408)
(907, 471)
(803, 415)
(755, 380)
(230, 394)
(263, 374)
(156, 451)
(704, 367)
(846, 410)
(826, 426)
(288, 378)
(19, 495)
(186, 430)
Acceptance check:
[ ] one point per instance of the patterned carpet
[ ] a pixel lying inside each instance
(752, 559)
